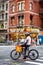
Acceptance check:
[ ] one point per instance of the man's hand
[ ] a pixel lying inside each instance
(26, 42)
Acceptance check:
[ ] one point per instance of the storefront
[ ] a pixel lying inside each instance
(3, 34)
(17, 33)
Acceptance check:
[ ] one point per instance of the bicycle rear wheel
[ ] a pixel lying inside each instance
(33, 54)
(15, 55)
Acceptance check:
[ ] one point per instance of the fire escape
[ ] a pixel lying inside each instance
(41, 12)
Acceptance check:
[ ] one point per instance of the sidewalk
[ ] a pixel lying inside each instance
(5, 44)
(8, 43)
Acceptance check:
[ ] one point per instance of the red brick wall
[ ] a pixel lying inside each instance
(36, 18)
(36, 7)
(27, 18)
(10, 6)
(27, 5)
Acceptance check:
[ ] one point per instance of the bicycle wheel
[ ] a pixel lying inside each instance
(15, 55)
(33, 54)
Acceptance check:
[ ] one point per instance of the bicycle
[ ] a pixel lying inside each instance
(16, 53)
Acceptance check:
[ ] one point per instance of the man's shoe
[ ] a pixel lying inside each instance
(25, 59)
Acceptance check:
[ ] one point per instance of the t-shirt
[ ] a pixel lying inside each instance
(29, 40)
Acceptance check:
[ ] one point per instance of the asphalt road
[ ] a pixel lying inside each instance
(6, 60)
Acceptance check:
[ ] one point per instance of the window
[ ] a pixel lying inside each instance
(13, 8)
(31, 17)
(41, 9)
(12, 20)
(5, 25)
(2, 25)
(31, 6)
(21, 20)
(6, 15)
(0, 7)
(2, 16)
(6, 7)
(3, 6)
(20, 6)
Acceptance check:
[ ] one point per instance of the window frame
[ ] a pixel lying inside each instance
(13, 8)
(21, 4)
(6, 6)
(6, 17)
(20, 21)
(31, 6)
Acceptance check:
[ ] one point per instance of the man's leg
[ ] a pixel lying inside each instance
(25, 52)
(25, 48)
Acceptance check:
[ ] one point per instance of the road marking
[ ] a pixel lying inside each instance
(6, 59)
(39, 59)
(32, 62)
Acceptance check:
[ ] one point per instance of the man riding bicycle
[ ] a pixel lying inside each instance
(32, 54)
(27, 44)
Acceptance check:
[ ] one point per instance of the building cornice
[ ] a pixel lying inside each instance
(33, 13)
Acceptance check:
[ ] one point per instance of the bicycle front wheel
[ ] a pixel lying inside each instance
(33, 54)
(15, 55)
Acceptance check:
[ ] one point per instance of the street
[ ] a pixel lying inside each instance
(6, 60)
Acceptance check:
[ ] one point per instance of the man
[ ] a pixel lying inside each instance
(27, 44)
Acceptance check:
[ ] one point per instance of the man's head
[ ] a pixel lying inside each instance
(27, 34)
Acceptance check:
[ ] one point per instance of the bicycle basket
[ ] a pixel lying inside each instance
(19, 48)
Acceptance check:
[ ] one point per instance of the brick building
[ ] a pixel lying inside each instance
(23, 13)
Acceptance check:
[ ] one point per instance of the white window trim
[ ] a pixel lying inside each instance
(14, 7)
(7, 2)
(31, 6)
(20, 3)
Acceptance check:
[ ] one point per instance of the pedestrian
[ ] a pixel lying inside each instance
(33, 41)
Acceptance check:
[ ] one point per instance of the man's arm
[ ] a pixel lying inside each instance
(26, 41)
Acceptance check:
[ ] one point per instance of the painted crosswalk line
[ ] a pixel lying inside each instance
(36, 62)
(39, 60)
(41, 57)
(31, 62)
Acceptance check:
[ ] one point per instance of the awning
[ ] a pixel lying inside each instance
(24, 30)
(3, 32)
